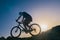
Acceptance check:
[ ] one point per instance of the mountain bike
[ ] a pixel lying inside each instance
(34, 30)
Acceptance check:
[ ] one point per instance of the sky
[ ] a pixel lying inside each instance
(42, 11)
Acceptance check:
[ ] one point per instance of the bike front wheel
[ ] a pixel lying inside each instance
(35, 29)
(15, 31)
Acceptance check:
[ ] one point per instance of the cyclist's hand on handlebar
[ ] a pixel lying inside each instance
(16, 20)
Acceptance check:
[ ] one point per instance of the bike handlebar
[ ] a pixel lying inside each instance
(19, 22)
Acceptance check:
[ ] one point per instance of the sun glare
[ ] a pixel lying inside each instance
(44, 27)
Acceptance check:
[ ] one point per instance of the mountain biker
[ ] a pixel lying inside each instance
(26, 19)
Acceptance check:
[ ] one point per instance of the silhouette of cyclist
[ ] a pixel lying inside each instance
(26, 19)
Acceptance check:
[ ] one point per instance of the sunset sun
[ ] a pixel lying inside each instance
(44, 27)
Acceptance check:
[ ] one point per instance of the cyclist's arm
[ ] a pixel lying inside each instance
(18, 18)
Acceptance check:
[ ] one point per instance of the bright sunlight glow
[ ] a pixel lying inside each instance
(44, 27)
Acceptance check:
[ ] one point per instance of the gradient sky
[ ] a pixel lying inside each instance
(43, 12)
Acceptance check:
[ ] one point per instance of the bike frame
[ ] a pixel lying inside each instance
(19, 25)
(23, 29)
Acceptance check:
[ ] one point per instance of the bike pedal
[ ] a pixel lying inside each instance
(22, 30)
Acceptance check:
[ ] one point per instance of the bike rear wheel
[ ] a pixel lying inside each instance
(35, 29)
(15, 31)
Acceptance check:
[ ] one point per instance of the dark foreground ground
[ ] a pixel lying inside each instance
(52, 34)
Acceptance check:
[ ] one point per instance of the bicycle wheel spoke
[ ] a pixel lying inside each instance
(15, 31)
(36, 29)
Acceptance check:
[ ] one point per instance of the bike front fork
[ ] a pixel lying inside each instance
(16, 29)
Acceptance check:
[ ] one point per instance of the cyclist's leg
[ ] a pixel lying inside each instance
(27, 24)
(24, 23)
